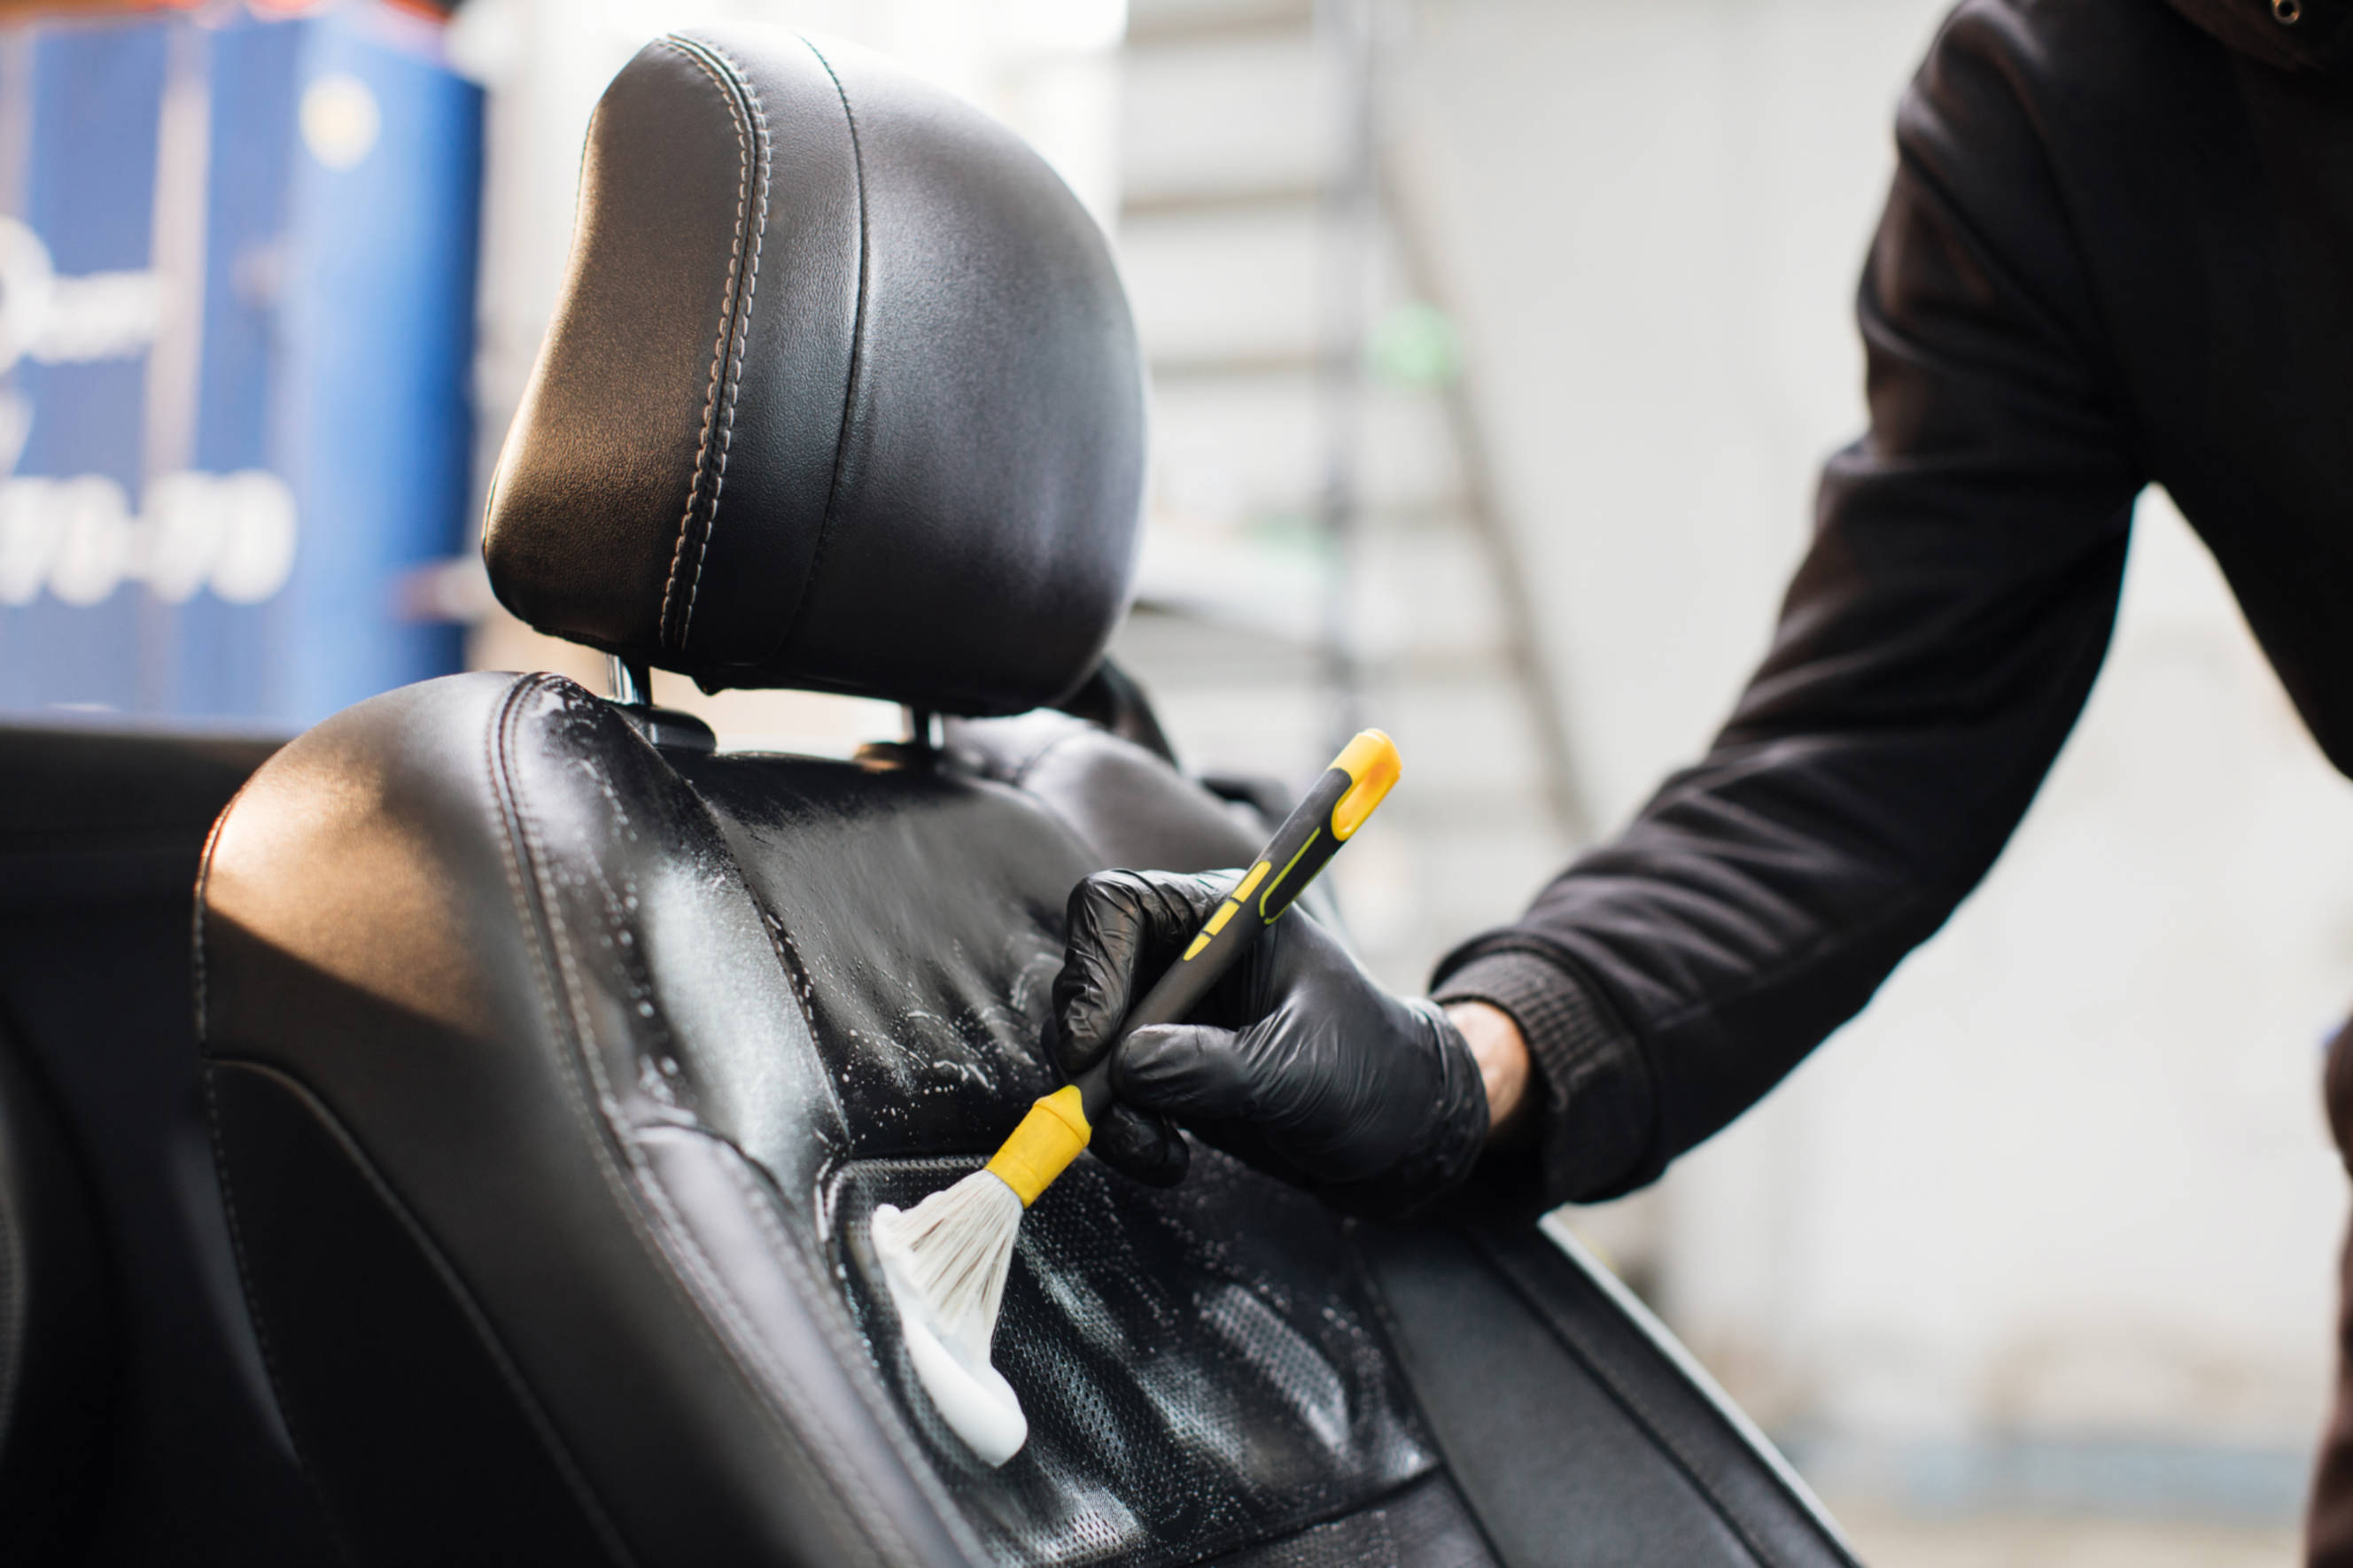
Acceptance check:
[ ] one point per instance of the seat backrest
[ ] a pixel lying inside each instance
(555, 1074)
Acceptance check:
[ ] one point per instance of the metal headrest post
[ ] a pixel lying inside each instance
(925, 732)
(632, 680)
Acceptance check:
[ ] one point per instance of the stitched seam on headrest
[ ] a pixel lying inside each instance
(738, 349)
(726, 320)
(727, 353)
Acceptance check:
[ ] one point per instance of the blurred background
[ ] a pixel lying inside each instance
(1508, 336)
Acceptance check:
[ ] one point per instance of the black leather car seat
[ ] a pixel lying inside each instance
(555, 1073)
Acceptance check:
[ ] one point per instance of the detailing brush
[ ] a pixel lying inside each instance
(946, 1260)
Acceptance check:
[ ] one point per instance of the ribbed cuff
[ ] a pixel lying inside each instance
(1598, 1113)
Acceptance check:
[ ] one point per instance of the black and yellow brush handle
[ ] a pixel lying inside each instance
(1333, 809)
(1059, 1124)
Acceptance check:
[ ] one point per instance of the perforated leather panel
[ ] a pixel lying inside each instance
(1201, 1369)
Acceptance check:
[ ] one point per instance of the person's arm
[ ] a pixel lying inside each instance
(1932, 653)
(1934, 650)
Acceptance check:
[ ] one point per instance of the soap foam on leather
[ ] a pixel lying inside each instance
(944, 1261)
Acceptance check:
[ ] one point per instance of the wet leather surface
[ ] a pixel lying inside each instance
(1202, 1368)
(918, 914)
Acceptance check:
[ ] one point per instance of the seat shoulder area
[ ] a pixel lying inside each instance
(1129, 807)
(375, 850)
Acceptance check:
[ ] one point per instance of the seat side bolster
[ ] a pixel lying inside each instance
(1572, 1434)
(446, 1414)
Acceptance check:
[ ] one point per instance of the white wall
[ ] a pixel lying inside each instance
(1651, 219)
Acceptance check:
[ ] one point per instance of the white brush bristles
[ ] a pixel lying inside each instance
(951, 1252)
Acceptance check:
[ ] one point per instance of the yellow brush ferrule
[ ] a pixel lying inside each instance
(1371, 761)
(1043, 1146)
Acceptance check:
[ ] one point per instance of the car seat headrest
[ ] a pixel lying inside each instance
(841, 393)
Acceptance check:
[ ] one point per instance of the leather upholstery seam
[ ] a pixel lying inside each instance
(506, 825)
(739, 345)
(852, 1356)
(718, 354)
(796, 983)
(1393, 1339)
(204, 886)
(561, 993)
(750, 119)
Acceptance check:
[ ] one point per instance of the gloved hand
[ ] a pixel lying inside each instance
(1297, 1061)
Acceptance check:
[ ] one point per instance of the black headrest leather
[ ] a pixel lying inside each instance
(842, 392)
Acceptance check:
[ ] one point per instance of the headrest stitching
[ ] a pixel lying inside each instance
(742, 325)
(731, 313)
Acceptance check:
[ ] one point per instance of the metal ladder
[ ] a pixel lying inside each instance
(1324, 549)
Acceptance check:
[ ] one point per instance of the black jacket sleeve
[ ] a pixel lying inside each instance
(1932, 653)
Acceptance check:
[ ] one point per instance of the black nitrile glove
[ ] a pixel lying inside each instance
(1298, 1061)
